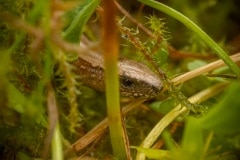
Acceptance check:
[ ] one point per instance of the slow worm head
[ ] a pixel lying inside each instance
(136, 79)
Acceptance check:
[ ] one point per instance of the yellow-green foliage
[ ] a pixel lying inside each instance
(37, 46)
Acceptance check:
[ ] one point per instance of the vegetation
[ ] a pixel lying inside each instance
(46, 112)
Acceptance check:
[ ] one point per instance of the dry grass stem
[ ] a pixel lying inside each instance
(209, 67)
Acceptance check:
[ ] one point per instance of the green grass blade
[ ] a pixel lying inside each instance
(191, 25)
(78, 18)
(57, 153)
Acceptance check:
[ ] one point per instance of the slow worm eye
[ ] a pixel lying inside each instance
(127, 82)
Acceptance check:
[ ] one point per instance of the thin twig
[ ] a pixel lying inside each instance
(99, 130)
(53, 118)
(131, 18)
(175, 54)
(211, 66)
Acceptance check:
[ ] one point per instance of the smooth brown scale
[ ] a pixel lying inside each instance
(91, 76)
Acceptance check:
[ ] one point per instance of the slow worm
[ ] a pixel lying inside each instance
(136, 79)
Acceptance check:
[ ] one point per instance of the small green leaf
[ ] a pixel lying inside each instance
(161, 56)
(192, 145)
(22, 155)
(78, 17)
(154, 153)
(195, 64)
(163, 106)
(224, 117)
(18, 102)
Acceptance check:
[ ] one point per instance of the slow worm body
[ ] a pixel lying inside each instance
(136, 79)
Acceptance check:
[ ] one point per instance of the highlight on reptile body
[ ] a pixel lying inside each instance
(175, 70)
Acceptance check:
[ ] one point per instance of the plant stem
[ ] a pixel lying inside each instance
(110, 48)
(57, 153)
(191, 25)
(174, 113)
(204, 69)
